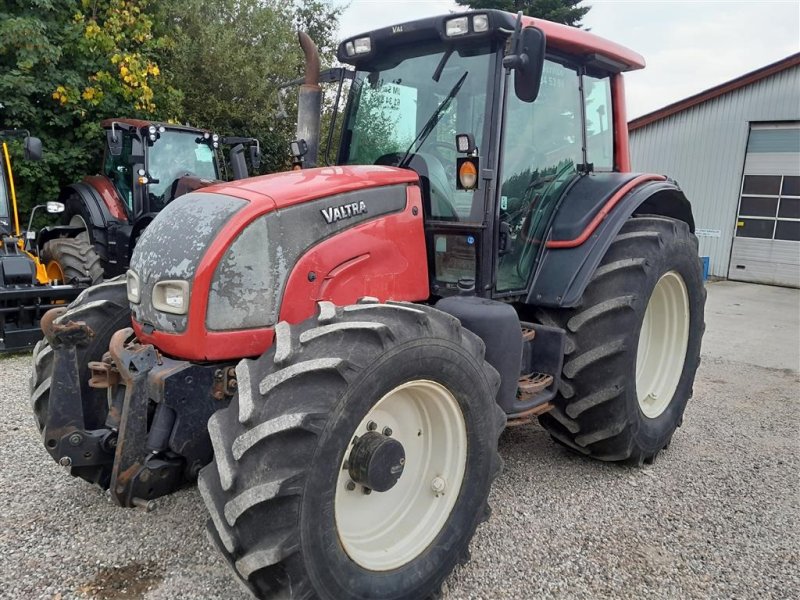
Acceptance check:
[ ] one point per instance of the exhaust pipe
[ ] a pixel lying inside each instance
(309, 104)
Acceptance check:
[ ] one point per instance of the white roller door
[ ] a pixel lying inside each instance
(766, 246)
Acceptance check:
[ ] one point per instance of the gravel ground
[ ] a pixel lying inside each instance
(715, 517)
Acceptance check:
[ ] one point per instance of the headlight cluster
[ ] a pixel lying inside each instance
(154, 131)
(460, 25)
(358, 46)
(169, 296)
(214, 138)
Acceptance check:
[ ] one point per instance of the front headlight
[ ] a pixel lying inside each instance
(134, 287)
(171, 296)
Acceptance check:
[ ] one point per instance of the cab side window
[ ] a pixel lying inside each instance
(599, 132)
(119, 170)
(542, 147)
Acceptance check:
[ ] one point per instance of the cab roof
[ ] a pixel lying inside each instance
(583, 45)
(580, 42)
(141, 123)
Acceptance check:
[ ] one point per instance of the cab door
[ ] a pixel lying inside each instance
(565, 133)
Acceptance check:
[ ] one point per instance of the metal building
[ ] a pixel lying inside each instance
(735, 151)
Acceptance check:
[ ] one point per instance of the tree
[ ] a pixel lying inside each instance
(230, 58)
(561, 11)
(67, 64)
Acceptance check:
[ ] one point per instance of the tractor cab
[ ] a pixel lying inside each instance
(150, 164)
(498, 115)
(146, 165)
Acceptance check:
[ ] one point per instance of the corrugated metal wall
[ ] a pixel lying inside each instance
(703, 148)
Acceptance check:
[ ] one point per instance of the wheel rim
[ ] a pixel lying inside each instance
(663, 340)
(385, 530)
(55, 272)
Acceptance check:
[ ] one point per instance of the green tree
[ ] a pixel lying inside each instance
(567, 12)
(64, 66)
(230, 58)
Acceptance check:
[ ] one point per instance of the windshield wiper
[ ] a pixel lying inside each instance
(440, 67)
(433, 121)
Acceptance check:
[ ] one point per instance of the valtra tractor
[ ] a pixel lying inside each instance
(336, 350)
(146, 165)
(29, 286)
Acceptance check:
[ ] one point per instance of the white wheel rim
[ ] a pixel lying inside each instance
(663, 340)
(385, 530)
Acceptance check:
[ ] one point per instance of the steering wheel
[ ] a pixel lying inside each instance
(444, 152)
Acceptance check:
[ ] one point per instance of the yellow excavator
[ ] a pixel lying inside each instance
(29, 285)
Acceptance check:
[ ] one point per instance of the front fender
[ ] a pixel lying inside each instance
(568, 261)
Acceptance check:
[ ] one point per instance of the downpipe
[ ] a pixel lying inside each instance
(309, 102)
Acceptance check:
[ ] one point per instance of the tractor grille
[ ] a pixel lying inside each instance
(172, 246)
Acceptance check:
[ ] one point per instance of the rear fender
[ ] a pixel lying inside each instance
(569, 261)
(88, 201)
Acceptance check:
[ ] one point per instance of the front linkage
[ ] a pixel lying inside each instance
(154, 437)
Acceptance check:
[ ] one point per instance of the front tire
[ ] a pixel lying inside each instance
(633, 345)
(105, 309)
(285, 509)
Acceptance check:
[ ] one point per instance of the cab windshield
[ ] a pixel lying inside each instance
(407, 111)
(174, 155)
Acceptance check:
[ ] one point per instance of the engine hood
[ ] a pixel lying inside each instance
(293, 187)
(236, 245)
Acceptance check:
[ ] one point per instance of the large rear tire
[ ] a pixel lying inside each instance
(75, 259)
(105, 309)
(327, 414)
(633, 345)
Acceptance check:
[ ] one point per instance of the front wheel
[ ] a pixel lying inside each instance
(357, 457)
(633, 345)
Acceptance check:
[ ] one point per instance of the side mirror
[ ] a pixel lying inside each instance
(527, 63)
(32, 148)
(255, 156)
(114, 142)
(54, 208)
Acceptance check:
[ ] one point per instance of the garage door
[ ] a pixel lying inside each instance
(766, 246)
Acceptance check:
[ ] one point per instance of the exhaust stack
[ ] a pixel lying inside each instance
(309, 103)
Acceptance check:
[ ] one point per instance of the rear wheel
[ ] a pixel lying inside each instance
(77, 215)
(73, 259)
(633, 345)
(104, 308)
(356, 459)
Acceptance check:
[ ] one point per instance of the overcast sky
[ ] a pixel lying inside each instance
(689, 46)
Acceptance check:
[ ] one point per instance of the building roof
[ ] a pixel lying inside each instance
(716, 91)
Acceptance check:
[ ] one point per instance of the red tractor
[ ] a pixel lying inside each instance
(146, 165)
(336, 350)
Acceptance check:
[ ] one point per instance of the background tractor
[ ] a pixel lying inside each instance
(146, 165)
(29, 286)
(336, 350)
